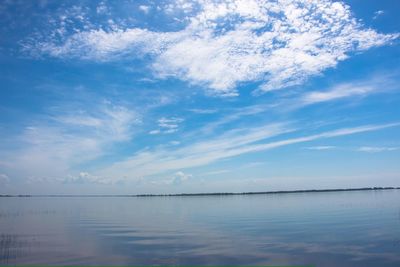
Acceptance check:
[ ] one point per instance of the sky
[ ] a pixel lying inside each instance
(185, 96)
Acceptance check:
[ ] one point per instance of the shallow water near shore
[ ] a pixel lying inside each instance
(359, 228)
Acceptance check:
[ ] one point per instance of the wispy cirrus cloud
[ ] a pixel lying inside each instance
(52, 146)
(377, 83)
(345, 91)
(377, 149)
(367, 149)
(150, 162)
(203, 111)
(321, 147)
(217, 172)
(338, 92)
(231, 144)
(278, 43)
(86, 178)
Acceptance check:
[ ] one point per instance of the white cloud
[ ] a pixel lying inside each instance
(353, 89)
(80, 120)
(231, 144)
(145, 9)
(378, 13)
(167, 125)
(203, 111)
(104, 45)
(113, 122)
(177, 179)
(87, 178)
(223, 44)
(237, 114)
(102, 8)
(337, 92)
(377, 83)
(212, 173)
(146, 162)
(320, 147)
(155, 132)
(375, 149)
(53, 146)
(180, 177)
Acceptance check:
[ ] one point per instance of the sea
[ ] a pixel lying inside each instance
(356, 228)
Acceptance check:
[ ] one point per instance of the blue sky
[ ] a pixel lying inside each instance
(198, 96)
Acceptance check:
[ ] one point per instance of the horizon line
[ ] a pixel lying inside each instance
(210, 194)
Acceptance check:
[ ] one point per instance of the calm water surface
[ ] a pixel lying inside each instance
(320, 229)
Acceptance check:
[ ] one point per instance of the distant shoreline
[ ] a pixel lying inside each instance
(221, 193)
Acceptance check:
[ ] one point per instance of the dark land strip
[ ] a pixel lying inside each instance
(221, 193)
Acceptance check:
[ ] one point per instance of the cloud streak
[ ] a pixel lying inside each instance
(321, 147)
(338, 92)
(232, 144)
(374, 149)
(50, 148)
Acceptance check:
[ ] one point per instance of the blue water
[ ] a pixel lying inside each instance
(320, 229)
